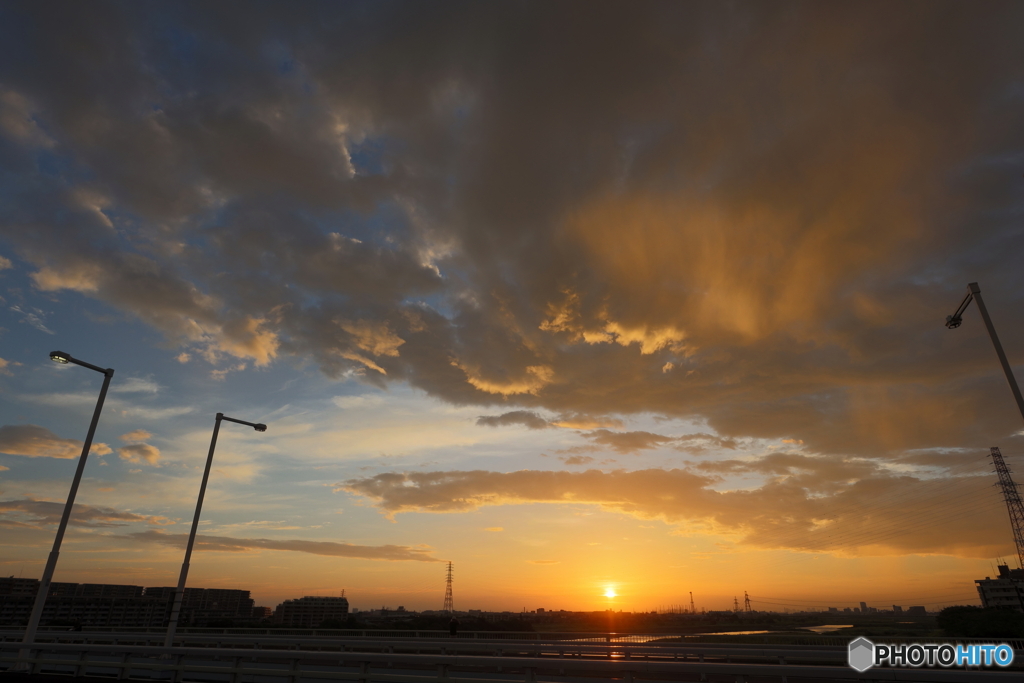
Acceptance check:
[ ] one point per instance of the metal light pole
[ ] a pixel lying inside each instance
(179, 592)
(51, 561)
(954, 321)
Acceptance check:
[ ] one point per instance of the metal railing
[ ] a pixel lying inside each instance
(810, 639)
(553, 663)
(494, 648)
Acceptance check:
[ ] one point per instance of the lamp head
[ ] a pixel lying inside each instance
(60, 357)
(260, 427)
(953, 322)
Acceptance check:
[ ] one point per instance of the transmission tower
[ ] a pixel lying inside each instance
(693, 610)
(1014, 505)
(746, 602)
(735, 604)
(449, 607)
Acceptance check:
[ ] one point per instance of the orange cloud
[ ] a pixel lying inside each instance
(395, 553)
(139, 452)
(805, 503)
(34, 441)
(37, 512)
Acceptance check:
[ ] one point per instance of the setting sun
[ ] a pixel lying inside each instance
(610, 593)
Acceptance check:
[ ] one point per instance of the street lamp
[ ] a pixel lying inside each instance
(954, 321)
(179, 592)
(51, 561)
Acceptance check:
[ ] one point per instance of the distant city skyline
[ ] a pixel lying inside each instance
(604, 303)
(198, 597)
(762, 604)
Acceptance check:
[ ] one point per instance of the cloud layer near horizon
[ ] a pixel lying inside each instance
(29, 513)
(809, 504)
(328, 548)
(755, 216)
(32, 513)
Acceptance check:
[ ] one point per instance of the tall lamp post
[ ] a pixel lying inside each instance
(179, 592)
(51, 561)
(954, 321)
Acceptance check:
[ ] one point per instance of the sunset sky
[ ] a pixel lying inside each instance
(587, 298)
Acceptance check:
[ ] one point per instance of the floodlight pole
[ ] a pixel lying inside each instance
(953, 322)
(179, 592)
(51, 561)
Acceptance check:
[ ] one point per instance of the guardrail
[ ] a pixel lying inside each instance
(314, 641)
(493, 648)
(394, 633)
(230, 665)
(800, 639)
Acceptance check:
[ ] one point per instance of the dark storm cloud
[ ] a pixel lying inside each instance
(755, 215)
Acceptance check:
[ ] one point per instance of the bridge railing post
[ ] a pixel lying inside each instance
(80, 664)
(126, 667)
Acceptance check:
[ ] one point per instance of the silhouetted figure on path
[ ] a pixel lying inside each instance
(453, 626)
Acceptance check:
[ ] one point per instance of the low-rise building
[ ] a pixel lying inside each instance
(87, 611)
(200, 606)
(311, 611)
(12, 586)
(117, 605)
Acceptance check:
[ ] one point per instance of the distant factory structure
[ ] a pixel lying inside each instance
(912, 611)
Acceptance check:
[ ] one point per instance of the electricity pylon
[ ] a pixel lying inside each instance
(449, 607)
(1014, 505)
